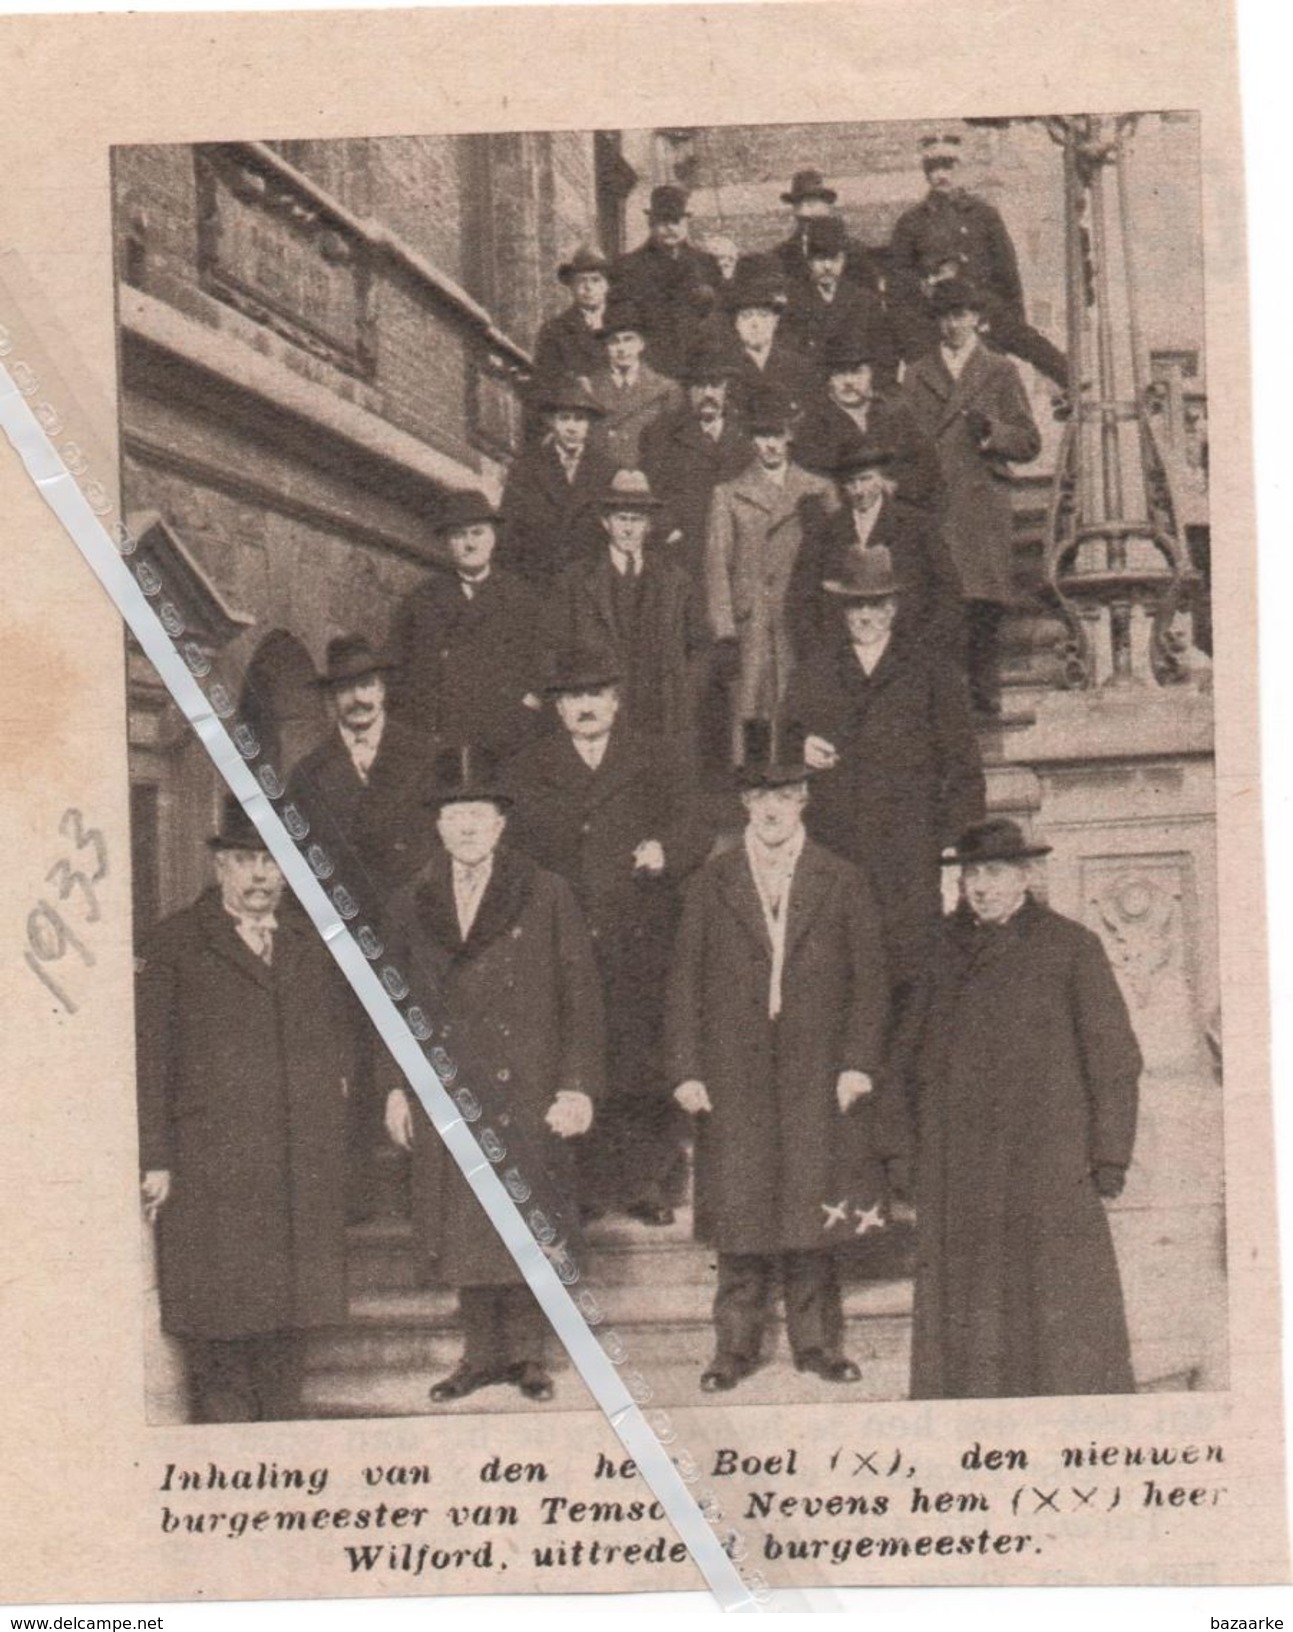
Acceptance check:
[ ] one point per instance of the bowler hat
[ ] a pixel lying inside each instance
(464, 507)
(348, 657)
(570, 392)
(867, 576)
(772, 755)
(825, 237)
(620, 315)
(756, 286)
(857, 451)
(997, 839)
(629, 490)
(584, 259)
(767, 409)
(584, 668)
(955, 295)
(466, 775)
(237, 830)
(809, 184)
(844, 351)
(668, 202)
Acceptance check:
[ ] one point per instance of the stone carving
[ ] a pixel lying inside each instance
(1140, 925)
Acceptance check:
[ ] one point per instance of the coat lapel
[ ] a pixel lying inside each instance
(501, 905)
(224, 940)
(808, 889)
(741, 895)
(751, 488)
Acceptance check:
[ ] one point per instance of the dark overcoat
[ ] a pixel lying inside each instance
(908, 781)
(377, 831)
(978, 521)
(518, 1009)
(466, 665)
(787, 372)
(659, 636)
(955, 226)
(241, 1071)
(630, 409)
(674, 290)
(1023, 1069)
(931, 602)
(779, 1168)
(684, 465)
(568, 345)
(826, 429)
(789, 257)
(550, 521)
(856, 313)
(585, 824)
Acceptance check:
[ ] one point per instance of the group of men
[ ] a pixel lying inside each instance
(763, 583)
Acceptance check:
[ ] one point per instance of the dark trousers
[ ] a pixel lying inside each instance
(810, 1290)
(983, 620)
(1008, 332)
(635, 1152)
(502, 1327)
(245, 1379)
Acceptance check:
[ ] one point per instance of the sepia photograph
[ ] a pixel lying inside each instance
(728, 609)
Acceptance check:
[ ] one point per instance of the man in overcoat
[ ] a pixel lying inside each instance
(872, 515)
(766, 357)
(756, 527)
(570, 343)
(242, 1076)
(777, 1011)
(634, 601)
(669, 279)
(499, 953)
(630, 393)
(1022, 1069)
(812, 201)
(888, 730)
(468, 640)
(828, 305)
(550, 501)
(972, 403)
(611, 810)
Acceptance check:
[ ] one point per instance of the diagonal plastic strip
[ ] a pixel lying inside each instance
(65, 498)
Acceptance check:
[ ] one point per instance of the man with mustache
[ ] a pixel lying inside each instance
(610, 809)
(828, 304)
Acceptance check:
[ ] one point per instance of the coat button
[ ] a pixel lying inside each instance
(503, 1076)
(586, 828)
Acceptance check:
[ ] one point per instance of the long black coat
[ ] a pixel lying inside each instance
(518, 1009)
(585, 825)
(825, 429)
(241, 1070)
(378, 832)
(550, 522)
(466, 666)
(684, 465)
(660, 645)
(674, 291)
(567, 345)
(1023, 1067)
(856, 313)
(787, 371)
(930, 605)
(776, 1157)
(908, 781)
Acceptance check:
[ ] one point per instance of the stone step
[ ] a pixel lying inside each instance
(881, 1351)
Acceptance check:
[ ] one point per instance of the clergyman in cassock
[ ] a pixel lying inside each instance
(242, 1073)
(611, 809)
(499, 948)
(1022, 1070)
(777, 1012)
(887, 727)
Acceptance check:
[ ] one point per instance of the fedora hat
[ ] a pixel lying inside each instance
(955, 295)
(844, 351)
(464, 507)
(348, 657)
(997, 839)
(857, 451)
(809, 184)
(620, 315)
(570, 392)
(584, 668)
(825, 237)
(668, 202)
(767, 409)
(758, 286)
(237, 831)
(466, 775)
(629, 490)
(868, 575)
(584, 259)
(772, 755)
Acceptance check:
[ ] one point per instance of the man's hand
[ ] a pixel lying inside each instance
(570, 1114)
(399, 1118)
(649, 856)
(531, 701)
(155, 1187)
(693, 1098)
(852, 1085)
(979, 425)
(820, 755)
(1109, 1180)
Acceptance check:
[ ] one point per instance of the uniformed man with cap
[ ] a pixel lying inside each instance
(776, 1020)
(495, 950)
(668, 278)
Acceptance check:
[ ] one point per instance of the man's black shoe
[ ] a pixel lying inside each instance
(654, 1213)
(532, 1380)
(460, 1382)
(724, 1372)
(832, 1368)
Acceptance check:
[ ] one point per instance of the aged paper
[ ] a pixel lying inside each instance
(220, 268)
